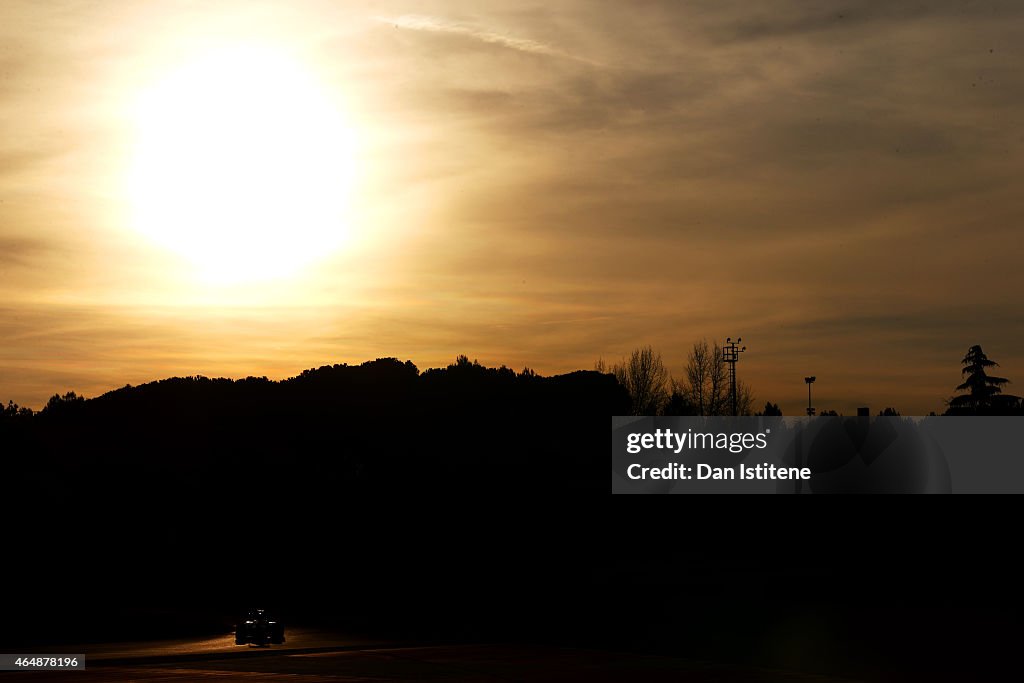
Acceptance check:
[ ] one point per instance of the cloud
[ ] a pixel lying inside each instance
(812, 18)
(19, 251)
(417, 22)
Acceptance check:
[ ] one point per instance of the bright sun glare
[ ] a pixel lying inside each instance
(243, 165)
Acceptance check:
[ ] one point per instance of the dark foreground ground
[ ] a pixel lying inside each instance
(311, 656)
(461, 522)
(616, 588)
(627, 589)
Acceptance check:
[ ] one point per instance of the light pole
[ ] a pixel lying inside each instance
(731, 354)
(810, 408)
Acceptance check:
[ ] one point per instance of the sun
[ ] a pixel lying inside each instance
(243, 164)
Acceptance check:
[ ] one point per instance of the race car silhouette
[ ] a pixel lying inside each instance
(257, 627)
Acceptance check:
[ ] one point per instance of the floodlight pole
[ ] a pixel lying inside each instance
(810, 408)
(731, 355)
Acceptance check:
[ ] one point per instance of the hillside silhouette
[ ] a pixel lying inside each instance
(382, 426)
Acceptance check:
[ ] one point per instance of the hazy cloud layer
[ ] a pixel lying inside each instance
(417, 22)
(546, 183)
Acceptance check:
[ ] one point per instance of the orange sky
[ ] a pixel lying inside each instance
(532, 184)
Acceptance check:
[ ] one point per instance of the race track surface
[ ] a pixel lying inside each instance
(311, 656)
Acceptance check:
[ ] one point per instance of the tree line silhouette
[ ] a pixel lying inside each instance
(379, 428)
(704, 388)
(381, 425)
(648, 386)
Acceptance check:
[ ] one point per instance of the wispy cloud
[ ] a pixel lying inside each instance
(20, 251)
(419, 22)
